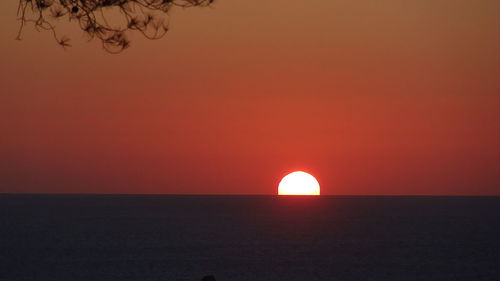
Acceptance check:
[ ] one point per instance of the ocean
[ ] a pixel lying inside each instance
(243, 238)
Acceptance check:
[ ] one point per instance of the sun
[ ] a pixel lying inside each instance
(298, 183)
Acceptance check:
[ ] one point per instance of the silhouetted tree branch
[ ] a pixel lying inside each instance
(107, 20)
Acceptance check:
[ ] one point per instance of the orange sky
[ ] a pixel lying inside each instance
(389, 97)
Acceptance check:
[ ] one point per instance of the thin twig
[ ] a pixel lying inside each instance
(149, 17)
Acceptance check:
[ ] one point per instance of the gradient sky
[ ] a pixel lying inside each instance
(371, 97)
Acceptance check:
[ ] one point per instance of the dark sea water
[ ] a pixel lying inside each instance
(156, 237)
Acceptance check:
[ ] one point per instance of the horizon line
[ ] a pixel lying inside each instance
(253, 194)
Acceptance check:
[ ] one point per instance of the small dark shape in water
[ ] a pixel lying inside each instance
(208, 278)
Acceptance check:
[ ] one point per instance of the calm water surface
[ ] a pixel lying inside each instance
(163, 237)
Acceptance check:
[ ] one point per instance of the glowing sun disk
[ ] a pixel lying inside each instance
(298, 183)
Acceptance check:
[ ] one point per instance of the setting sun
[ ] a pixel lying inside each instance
(298, 183)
